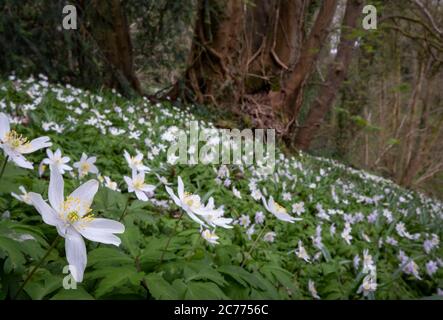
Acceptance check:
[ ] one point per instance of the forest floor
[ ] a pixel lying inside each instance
(337, 233)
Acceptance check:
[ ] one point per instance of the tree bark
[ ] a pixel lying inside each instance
(109, 28)
(336, 75)
(291, 93)
(413, 162)
(214, 57)
(274, 31)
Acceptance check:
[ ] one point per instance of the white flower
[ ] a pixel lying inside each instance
(214, 217)
(86, 165)
(269, 236)
(356, 261)
(256, 194)
(411, 268)
(312, 290)
(259, 217)
(41, 169)
(210, 236)
(190, 203)
(332, 230)
(431, 267)
(302, 253)
(244, 220)
(73, 219)
(250, 231)
(15, 145)
(56, 161)
(236, 192)
(368, 262)
(278, 211)
(287, 196)
(346, 234)
(138, 186)
(111, 184)
(24, 197)
(162, 180)
(298, 208)
(136, 163)
(369, 284)
(401, 231)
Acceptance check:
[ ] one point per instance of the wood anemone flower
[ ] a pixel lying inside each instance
(73, 219)
(15, 145)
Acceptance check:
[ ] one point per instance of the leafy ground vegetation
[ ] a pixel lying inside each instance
(314, 229)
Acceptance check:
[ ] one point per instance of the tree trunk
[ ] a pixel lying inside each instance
(336, 75)
(274, 33)
(109, 28)
(241, 49)
(291, 93)
(413, 164)
(214, 59)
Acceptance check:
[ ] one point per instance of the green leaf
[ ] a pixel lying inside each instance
(242, 276)
(42, 283)
(204, 291)
(200, 270)
(115, 278)
(160, 288)
(13, 252)
(72, 294)
(107, 257)
(282, 276)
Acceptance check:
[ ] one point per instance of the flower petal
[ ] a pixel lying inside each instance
(20, 161)
(265, 204)
(34, 145)
(48, 214)
(173, 196)
(4, 125)
(85, 193)
(106, 225)
(141, 195)
(102, 236)
(194, 217)
(76, 254)
(56, 190)
(180, 188)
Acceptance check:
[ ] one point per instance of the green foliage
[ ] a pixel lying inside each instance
(164, 257)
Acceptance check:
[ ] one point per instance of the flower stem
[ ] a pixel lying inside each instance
(254, 244)
(124, 210)
(170, 237)
(54, 243)
(4, 166)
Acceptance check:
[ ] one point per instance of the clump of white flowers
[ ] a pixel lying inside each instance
(205, 215)
(369, 284)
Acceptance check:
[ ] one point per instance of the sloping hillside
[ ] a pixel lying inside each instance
(312, 229)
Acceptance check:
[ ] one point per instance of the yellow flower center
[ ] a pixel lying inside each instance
(191, 200)
(279, 207)
(138, 184)
(73, 217)
(15, 140)
(72, 206)
(85, 167)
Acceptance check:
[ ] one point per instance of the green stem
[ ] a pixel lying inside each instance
(170, 237)
(54, 243)
(124, 210)
(248, 254)
(4, 166)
